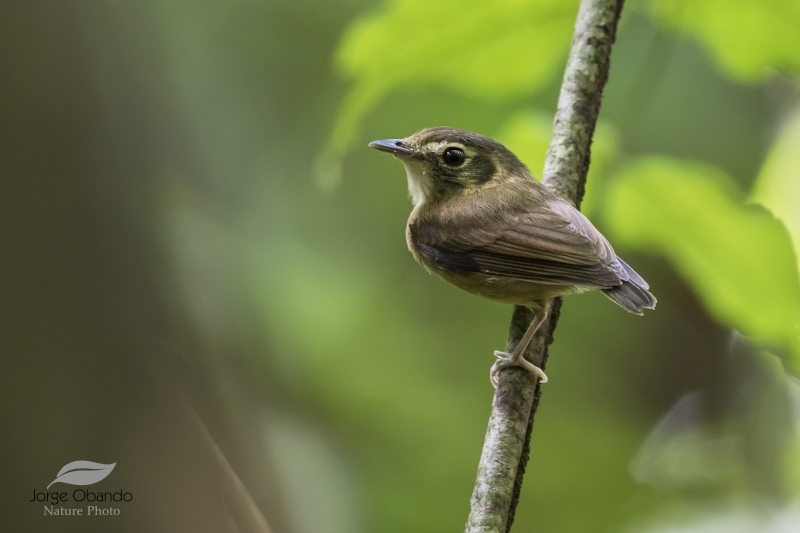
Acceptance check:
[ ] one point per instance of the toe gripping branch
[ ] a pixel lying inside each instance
(517, 357)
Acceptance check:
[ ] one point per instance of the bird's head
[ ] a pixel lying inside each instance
(445, 162)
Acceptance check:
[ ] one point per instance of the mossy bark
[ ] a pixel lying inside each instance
(506, 448)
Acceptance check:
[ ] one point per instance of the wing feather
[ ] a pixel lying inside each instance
(550, 243)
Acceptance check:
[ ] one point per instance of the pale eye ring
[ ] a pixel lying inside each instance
(454, 157)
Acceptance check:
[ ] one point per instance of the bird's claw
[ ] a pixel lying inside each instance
(505, 360)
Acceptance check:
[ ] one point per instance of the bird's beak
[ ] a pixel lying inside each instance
(394, 147)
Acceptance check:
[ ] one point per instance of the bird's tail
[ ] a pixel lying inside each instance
(632, 297)
(632, 294)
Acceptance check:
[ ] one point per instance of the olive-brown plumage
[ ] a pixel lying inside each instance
(483, 223)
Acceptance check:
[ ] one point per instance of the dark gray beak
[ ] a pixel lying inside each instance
(394, 147)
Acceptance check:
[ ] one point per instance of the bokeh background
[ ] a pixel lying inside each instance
(205, 277)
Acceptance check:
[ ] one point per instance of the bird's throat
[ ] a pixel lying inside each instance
(419, 184)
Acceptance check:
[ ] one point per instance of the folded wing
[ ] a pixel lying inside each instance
(551, 243)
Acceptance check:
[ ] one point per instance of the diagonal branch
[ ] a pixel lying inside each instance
(507, 445)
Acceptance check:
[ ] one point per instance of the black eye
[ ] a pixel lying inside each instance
(454, 157)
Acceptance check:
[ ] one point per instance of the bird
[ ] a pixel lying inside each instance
(483, 223)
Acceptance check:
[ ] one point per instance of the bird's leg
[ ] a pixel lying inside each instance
(517, 358)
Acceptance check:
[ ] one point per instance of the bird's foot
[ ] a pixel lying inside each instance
(505, 360)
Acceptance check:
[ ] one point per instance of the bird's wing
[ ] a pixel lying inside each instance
(550, 243)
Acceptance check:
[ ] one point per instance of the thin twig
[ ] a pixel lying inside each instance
(506, 448)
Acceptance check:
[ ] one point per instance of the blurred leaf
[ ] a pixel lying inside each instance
(738, 258)
(682, 450)
(491, 50)
(528, 133)
(778, 184)
(746, 37)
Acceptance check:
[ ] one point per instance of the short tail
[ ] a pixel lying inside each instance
(632, 294)
(632, 297)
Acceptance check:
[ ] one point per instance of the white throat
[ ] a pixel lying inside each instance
(418, 184)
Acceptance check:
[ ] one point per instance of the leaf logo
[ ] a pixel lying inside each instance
(82, 473)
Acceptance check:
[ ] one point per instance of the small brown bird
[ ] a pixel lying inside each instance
(483, 223)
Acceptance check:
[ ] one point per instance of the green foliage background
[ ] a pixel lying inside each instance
(348, 388)
(390, 364)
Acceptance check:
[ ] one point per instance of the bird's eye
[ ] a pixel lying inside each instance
(454, 157)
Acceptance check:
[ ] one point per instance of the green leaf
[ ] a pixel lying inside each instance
(527, 134)
(738, 258)
(485, 49)
(746, 37)
(490, 50)
(778, 184)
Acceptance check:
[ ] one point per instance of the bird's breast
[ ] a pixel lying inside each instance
(412, 231)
